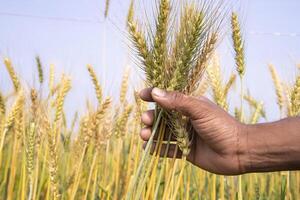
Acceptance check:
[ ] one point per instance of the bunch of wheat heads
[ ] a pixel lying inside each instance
(174, 57)
(40, 159)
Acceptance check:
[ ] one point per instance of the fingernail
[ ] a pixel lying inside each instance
(158, 92)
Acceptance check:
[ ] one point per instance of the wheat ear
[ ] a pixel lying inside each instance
(2, 105)
(12, 74)
(40, 69)
(124, 87)
(229, 84)
(96, 83)
(238, 44)
(278, 86)
(30, 155)
(202, 63)
(66, 86)
(141, 48)
(295, 98)
(107, 5)
(160, 43)
(51, 79)
(121, 122)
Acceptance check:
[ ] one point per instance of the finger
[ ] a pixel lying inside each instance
(145, 94)
(148, 117)
(145, 133)
(187, 105)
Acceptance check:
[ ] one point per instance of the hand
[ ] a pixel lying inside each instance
(217, 145)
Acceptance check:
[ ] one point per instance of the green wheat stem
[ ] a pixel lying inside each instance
(144, 157)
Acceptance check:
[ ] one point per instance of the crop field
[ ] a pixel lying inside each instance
(46, 153)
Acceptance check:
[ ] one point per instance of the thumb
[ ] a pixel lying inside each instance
(187, 105)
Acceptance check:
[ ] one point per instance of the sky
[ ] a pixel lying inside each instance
(73, 33)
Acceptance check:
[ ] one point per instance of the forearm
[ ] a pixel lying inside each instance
(271, 146)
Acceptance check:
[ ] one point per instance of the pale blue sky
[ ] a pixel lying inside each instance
(73, 33)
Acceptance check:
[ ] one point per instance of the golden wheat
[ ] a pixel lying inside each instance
(12, 74)
(96, 83)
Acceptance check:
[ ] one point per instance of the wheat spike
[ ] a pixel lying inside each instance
(16, 109)
(278, 86)
(124, 87)
(229, 84)
(130, 11)
(255, 104)
(96, 83)
(107, 6)
(40, 69)
(160, 43)
(186, 47)
(202, 88)
(295, 98)
(30, 156)
(257, 113)
(100, 114)
(51, 79)
(182, 135)
(12, 74)
(34, 103)
(122, 121)
(141, 48)
(238, 44)
(2, 105)
(204, 58)
(215, 79)
(66, 86)
(52, 163)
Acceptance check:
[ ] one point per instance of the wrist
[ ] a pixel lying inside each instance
(270, 147)
(243, 150)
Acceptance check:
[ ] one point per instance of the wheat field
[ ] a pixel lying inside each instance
(47, 154)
